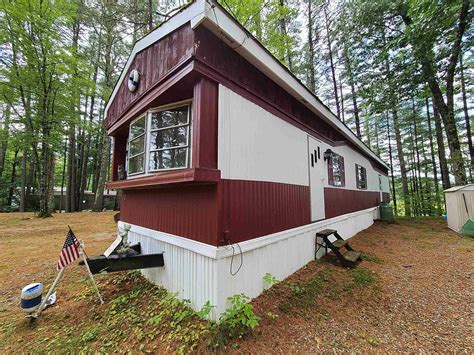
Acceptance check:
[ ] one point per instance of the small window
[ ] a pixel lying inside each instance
(336, 170)
(136, 147)
(361, 177)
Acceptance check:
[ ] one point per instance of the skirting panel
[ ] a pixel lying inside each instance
(201, 272)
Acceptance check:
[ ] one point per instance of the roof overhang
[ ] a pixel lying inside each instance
(220, 22)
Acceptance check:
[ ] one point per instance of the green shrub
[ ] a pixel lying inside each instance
(237, 321)
(270, 280)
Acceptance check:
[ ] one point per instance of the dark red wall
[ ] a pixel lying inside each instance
(256, 208)
(341, 201)
(187, 211)
(153, 63)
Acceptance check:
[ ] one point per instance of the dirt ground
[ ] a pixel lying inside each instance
(414, 291)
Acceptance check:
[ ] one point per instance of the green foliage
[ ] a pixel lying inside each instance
(205, 310)
(239, 319)
(270, 280)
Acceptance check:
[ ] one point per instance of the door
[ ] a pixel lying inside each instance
(317, 173)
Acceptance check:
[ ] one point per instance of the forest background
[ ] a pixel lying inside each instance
(398, 73)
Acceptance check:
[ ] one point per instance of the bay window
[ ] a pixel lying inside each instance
(159, 141)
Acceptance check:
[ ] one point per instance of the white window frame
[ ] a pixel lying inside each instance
(146, 170)
(144, 134)
(188, 138)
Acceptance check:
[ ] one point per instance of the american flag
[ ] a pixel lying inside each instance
(69, 252)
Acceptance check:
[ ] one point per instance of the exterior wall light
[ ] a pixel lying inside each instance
(327, 154)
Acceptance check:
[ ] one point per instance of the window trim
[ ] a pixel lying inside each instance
(357, 177)
(331, 171)
(144, 134)
(188, 138)
(147, 151)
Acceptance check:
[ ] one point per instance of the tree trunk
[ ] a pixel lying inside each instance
(150, 15)
(284, 32)
(467, 118)
(394, 195)
(424, 52)
(418, 163)
(342, 103)
(4, 134)
(443, 163)
(331, 62)
(433, 160)
(63, 176)
(350, 75)
(401, 159)
(71, 170)
(23, 179)
(99, 195)
(11, 189)
(312, 70)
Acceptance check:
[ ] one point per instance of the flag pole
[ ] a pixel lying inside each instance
(43, 302)
(90, 273)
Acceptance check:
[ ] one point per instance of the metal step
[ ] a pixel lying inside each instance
(326, 232)
(340, 243)
(352, 256)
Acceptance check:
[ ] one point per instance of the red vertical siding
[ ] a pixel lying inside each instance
(204, 139)
(341, 201)
(257, 208)
(187, 211)
(153, 63)
(119, 154)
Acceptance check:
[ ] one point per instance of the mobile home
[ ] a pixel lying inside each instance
(227, 163)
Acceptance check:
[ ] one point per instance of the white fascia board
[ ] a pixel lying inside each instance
(229, 31)
(194, 13)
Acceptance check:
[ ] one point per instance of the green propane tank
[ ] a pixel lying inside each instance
(386, 212)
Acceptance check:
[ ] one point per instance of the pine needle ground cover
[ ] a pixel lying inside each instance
(413, 291)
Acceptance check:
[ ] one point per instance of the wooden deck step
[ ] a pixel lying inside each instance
(352, 256)
(326, 232)
(340, 243)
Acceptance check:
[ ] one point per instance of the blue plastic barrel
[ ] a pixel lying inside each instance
(31, 297)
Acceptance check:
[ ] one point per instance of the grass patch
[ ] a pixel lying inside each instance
(362, 277)
(371, 258)
(303, 295)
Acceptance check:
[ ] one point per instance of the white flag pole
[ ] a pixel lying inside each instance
(43, 302)
(90, 273)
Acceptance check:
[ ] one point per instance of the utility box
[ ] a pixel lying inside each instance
(456, 208)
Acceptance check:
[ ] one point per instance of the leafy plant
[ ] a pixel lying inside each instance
(237, 321)
(205, 310)
(270, 280)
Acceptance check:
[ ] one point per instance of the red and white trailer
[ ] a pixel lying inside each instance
(223, 156)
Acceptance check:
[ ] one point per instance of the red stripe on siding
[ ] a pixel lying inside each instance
(341, 201)
(257, 208)
(186, 211)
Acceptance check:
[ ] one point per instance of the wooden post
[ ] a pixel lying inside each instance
(90, 273)
(43, 302)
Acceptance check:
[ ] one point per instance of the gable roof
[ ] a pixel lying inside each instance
(215, 18)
